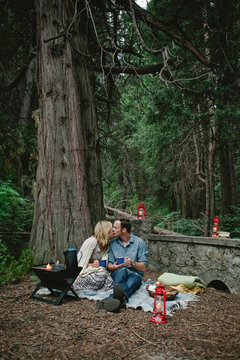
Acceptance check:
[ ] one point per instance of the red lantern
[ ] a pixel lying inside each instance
(159, 306)
(141, 212)
(215, 229)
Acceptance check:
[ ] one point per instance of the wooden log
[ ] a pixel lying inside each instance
(156, 229)
(120, 212)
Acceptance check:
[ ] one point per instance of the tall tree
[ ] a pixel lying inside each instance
(68, 195)
(115, 37)
(17, 93)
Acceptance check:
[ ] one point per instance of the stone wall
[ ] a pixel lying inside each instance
(142, 228)
(214, 260)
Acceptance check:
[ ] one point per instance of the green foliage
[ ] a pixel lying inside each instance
(231, 223)
(147, 123)
(17, 135)
(15, 214)
(174, 222)
(12, 269)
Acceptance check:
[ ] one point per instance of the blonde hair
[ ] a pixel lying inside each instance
(101, 231)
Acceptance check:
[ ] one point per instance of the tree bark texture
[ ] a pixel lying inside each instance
(207, 196)
(228, 181)
(25, 116)
(68, 198)
(210, 183)
(211, 162)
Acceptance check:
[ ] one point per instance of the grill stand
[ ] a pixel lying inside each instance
(61, 295)
(54, 281)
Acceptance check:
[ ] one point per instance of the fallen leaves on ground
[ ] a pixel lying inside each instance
(207, 329)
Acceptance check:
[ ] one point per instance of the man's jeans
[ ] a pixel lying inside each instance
(129, 281)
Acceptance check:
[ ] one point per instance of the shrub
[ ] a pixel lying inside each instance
(174, 222)
(12, 269)
(231, 223)
(15, 215)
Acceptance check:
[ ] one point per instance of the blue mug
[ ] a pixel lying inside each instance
(103, 263)
(120, 260)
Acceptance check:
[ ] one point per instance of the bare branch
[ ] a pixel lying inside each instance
(138, 32)
(153, 21)
(62, 34)
(129, 69)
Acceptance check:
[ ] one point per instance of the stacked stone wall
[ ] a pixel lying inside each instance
(212, 259)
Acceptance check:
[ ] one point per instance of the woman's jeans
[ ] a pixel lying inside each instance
(128, 280)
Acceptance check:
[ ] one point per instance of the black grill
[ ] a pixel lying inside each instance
(58, 279)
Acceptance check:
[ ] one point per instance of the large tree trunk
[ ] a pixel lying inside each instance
(211, 162)
(210, 171)
(207, 194)
(24, 118)
(228, 181)
(140, 183)
(69, 196)
(183, 195)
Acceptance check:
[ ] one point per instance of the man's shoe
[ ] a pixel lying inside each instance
(119, 294)
(109, 304)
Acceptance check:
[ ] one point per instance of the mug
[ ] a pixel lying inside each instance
(120, 260)
(103, 263)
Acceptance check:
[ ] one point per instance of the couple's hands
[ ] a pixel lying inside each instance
(127, 262)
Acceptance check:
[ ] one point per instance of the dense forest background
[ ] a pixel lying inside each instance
(166, 90)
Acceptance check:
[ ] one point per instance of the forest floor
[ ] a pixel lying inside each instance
(29, 329)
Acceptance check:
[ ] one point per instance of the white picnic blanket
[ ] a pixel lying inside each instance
(139, 300)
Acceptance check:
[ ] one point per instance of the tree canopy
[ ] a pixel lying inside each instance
(164, 82)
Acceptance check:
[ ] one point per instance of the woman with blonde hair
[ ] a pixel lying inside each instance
(93, 250)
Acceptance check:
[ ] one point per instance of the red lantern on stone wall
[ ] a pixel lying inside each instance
(215, 229)
(141, 212)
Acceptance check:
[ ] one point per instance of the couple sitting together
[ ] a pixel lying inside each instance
(124, 278)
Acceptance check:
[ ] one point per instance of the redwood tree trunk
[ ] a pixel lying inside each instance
(69, 197)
